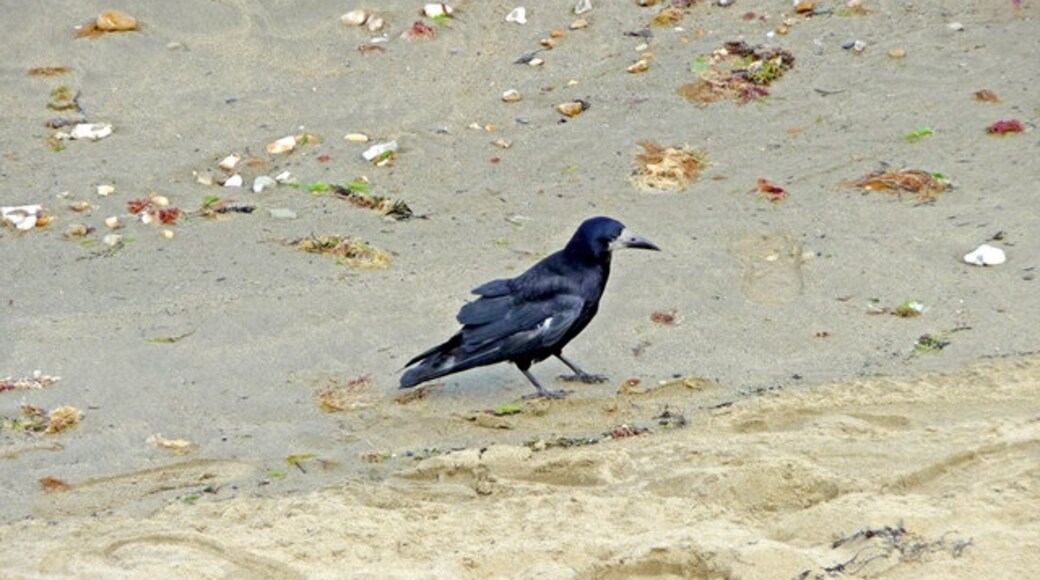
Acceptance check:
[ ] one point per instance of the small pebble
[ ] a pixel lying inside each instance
(76, 231)
(113, 222)
(356, 137)
(437, 9)
(105, 190)
(896, 53)
(579, 24)
(354, 17)
(168, 234)
(956, 26)
(160, 201)
(233, 181)
(512, 96)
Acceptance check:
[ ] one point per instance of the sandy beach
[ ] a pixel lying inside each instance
(808, 381)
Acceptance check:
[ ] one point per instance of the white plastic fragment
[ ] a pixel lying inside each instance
(234, 181)
(91, 131)
(23, 217)
(262, 182)
(378, 150)
(985, 255)
(518, 15)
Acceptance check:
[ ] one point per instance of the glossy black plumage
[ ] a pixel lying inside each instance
(529, 318)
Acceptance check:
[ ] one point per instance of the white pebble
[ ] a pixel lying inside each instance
(985, 255)
(234, 181)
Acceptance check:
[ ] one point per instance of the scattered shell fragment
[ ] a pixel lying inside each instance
(582, 7)
(356, 137)
(115, 21)
(536, 61)
(641, 65)
(378, 150)
(203, 177)
(896, 53)
(502, 143)
(178, 446)
(234, 181)
(548, 42)
(285, 177)
(354, 17)
(160, 201)
(105, 190)
(79, 206)
(112, 239)
(573, 108)
(22, 217)
(91, 131)
(437, 9)
(228, 163)
(579, 24)
(76, 231)
(262, 182)
(512, 96)
(283, 145)
(113, 222)
(168, 234)
(985, 255)
(955, 26)
(375, 23)
(518, 15)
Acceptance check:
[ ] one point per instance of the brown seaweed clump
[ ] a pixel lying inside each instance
(667, 168)
(351, 251)
(737, 71)
(925, 185)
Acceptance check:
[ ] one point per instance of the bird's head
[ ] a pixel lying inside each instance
(597, 237)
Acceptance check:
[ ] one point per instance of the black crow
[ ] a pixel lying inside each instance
(529, 318)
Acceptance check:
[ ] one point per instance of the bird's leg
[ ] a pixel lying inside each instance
(542, 391)
(579, 375)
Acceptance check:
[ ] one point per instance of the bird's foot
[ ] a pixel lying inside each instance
(584, 378)
(547, 394)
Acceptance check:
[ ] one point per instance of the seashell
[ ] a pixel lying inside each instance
(579, 24)
(378, 150)
(112, 239)
(262, 182)
(548, 42)
(896, 53)
(160, 201)
(115, 21)
(285, 177)
(518, 15)
(502, 143)
(234, 181)
(105, 190)
(985, 255)
(283, 145)
(356, 137)
(512, 96)
(168, 234)
(79, 206)
(228, 163)
(113, 222)
(572, 108)
(204, 177)
(354, 17)
(438, 9)
(76, 231)
(536, 62)
(582, 7)
(375, 23)
(91, 131)
(640, 66)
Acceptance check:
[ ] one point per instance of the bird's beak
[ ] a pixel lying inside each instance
(629, 239)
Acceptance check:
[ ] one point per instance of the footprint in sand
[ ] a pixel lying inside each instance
(772, 264)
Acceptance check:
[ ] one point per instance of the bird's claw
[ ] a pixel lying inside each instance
(547, 394)
(584, 378)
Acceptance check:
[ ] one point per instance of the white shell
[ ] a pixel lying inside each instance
(112, 239)
(985, 255)
(113, 222)
(512, 96)
(234, 181)
(228, 163)
(517, 15)
(285, 177)
(375, 24)
(91, 131)
(378, 149)
(262, 182)
(354, 17)
(437, 9)
(356, 137)
(283, 145)
(582, 6)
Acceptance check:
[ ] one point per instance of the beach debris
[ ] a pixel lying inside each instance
(955, 26)
(375, 23)
(856, 46)
(668, 16)
(53, 485)
(353, 394)
(517, 15)
(582, 7)
(926, 185)
(512, 96)
(931, 342)
(773, 193)
(416, 394)
(233, 181)
(380, 152)
(665, 317)
(896, 53)
(154, 210)
(986, 96)
(437, 10)
(1006, 127)
(419, 29)
(63, 99)
(24, 217)
(356, 137)
(173, 339)
(212, 206)
(48, 71)
(288, 143)
(282, 213)
(640, 66)
(285, 178)
(908, 309)
(36, 419)
(108, 21)
(178, 446)
(228, 163)
(86, 132)
(356, 17)
(736, 71)
(36, 381)
(262, 182)
(919, 133)
(113, 222)
(76, 231)
(667, 168)
(359, 193)
(986, 255)
(573, 108)
(350, 251)
(579, 24)
(105, 190)
(112, 240)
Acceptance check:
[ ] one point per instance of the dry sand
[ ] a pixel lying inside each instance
(802, 420)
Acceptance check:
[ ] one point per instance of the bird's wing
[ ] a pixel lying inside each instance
(508, 325)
